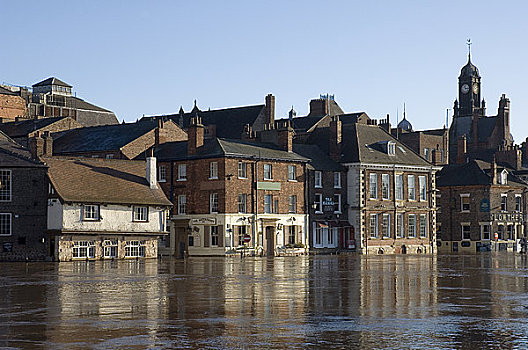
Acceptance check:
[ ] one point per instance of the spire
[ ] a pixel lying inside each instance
(468, 42)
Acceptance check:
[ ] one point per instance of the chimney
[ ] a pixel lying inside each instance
(151, 170)
(334, 139)
(462, 149)
(504, 116)
(285, 137)
(36, 146)
(160, 133)
(436, 157)
(319, 107)
(195, 136)
(48, 144)
(493, 171)
(270, 109)
(385, 124)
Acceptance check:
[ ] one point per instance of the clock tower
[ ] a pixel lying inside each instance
(469, 101)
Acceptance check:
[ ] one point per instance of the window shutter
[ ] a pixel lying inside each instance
(207, 236)
(220, 235)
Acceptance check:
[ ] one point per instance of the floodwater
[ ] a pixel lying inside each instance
(374, 302)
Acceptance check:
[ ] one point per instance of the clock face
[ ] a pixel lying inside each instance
(465, 88)
(475, 88)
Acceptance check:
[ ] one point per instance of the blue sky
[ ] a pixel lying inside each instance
(139, 57)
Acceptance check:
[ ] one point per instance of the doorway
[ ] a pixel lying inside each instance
(270, 240)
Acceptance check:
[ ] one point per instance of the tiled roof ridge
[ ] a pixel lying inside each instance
(15, 154)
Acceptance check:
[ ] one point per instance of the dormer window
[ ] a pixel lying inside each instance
(504, 177)
(391, 148)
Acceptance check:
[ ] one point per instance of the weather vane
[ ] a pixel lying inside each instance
(469, 46)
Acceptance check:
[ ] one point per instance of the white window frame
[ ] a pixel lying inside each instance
(242, 203)
(140, 214)
(391, 148)
(400, 230)
(213, 170)
(83, 250)
(386, 226)
(242, 170)
(337, 203)
(518, 203)
(482, 231)
(6, 228)
(319, 203)
(411, 188)
(268, 204)
(91, 212)
(135, 249)
(214, 236)
(292, 173)
(423, 225)
(292, 204)
(411, 226)
(182, 172)
(504, 202)
(6, 181)
(162, 173)
(182, 204)
(318, 179)
(462, 199)
(373, 186)
(110, 248)
(503, 178)
(213, 203)
(373, 225)
(337, 179)
(399, 187)
(268, 171)
(422, 184)
(385, 186)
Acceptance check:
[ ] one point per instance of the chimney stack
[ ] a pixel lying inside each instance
(36, 146)
(195, 135)
(462, 149)
(270, 109)
(319, 107)
(335, 138)
(151, 170)
(285, 137)
(48, 144)
(160, 134)
(494, 171)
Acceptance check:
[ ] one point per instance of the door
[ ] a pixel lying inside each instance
(270, 240)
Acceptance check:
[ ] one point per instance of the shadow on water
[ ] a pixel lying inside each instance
(374, 302)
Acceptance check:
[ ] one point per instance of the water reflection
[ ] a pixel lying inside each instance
(374, 302)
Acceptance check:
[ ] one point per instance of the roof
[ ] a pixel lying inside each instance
(469, 69)
(217, 147)
(4, 91)
(230, 122)
(318, 159)
(476, 172)
(305, 123)
(366, 144)
(25, 126)
(51, 81)
(101, 138)
(113, 181)
(405, 125)
(14, 155)
(486, 126)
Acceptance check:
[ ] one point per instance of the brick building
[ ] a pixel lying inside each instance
(481, 207)
(233, 196)
(121, 141)
(12, 106)
(23, 203)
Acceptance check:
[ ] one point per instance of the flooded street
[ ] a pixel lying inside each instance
(375, 302)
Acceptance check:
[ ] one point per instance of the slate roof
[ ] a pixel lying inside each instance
(14, 155)
(25, 126)
(230, 122)
(365, 143)
(112, 181)
(308, 122)
(217, 147)
(485, 127)
(476, 172)
(101, 138)
(51, 81)
(4, 91)
(318, 159)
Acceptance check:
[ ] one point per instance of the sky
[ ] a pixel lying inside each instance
(151, 57)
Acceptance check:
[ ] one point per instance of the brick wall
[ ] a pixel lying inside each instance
(12, 106)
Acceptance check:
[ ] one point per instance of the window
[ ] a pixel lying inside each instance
(318, 179)
(267, 172)
(141, 213)
(504, 202)
(423, 225)
(5, 224)
(373, 225)
(337, 179)
(90, 212)
(466, 231)
(5, 185)
(291, 234)
(426, 153)
(275, 206)
(214, 236)
(191, 241)
(292, 204)
(391, 148)
(135, 249)
(385, 226)
(399, 225)
(242, 231)
(411, 188)
(182, 172)
(373, 186)
(242, 203)
(318, 203)
(412, 225)
(292, 173)
(331, 233)
(162, 173)
(423, 188)
(503, 177)
(500, 232)
(109, 156)
(511, 231)
(485, 231)
(267, 203)
(337, 203)
(110, 248)
(318, 236)
(182, 204)
(464, 202)
(213, 202)
(399, 187)
(213, 170)
(518, 202)
(242, 170)
(83, 249)
(385, 190)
